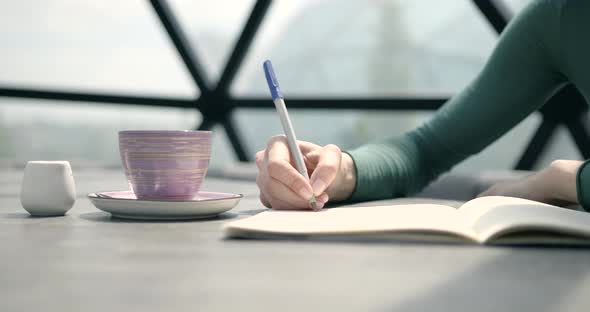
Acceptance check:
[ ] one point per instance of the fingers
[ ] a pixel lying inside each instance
(323, 199)
(289, 202)
(278, 165)
(326, 169)
(279, 204)
(264, 201)
(307, 147)
(274, 189)
(286, 175)
(311, 160)
(282, 186)
(274, 193)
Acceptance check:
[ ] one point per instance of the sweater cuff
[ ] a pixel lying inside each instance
(358, 193)
(583, 185)
(373, 182)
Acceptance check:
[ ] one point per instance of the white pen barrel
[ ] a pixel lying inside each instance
(291, 138)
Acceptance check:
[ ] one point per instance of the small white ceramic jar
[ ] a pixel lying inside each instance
(48, 188)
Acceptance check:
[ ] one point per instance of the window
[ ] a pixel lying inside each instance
(363, 48)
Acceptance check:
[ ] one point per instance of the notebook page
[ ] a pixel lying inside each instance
(495, 215)
(474, 209)
(350, 221)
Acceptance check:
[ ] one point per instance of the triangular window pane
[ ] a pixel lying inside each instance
(212, 28)
(106, 46)
(369, 48)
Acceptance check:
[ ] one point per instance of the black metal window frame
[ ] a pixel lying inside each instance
(215, 103)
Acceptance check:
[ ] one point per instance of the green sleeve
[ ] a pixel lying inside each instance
(583, 185)
(522, 72)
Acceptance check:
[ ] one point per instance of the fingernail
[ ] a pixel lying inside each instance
(319, 187)
(323, 198)
(318, 205)
(305, 193)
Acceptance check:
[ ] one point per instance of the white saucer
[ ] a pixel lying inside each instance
(124, 204)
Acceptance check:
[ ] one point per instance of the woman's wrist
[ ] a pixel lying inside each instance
(559, 180)
(345, 182)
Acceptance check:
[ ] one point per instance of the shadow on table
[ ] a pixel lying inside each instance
(251, 212)
(107, 218)
(518, 280)
(25, 215)
(433, 241)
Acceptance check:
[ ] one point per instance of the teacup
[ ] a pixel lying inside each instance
(165, 164)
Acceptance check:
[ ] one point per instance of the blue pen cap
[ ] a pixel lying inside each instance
(271, 79)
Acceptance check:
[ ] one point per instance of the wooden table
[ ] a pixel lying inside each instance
(87, 261)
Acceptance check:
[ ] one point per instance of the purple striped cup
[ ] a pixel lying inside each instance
(165, 164)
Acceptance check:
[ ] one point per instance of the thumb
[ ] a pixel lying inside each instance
(327, 168)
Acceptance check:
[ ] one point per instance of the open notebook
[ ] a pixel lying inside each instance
(484, 220)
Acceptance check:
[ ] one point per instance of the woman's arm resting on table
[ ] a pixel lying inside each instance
(556, 185)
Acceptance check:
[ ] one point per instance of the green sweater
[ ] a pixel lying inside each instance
(542, 49)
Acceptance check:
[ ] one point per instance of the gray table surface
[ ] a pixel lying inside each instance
(87, 261)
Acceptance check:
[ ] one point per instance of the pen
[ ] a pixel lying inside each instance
(277, 98)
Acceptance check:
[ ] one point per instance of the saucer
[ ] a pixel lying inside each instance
(124, 204)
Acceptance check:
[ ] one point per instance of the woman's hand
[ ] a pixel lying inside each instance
(555, 185)
(332, 175)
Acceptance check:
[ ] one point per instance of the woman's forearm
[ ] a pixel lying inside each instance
(520, 75)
